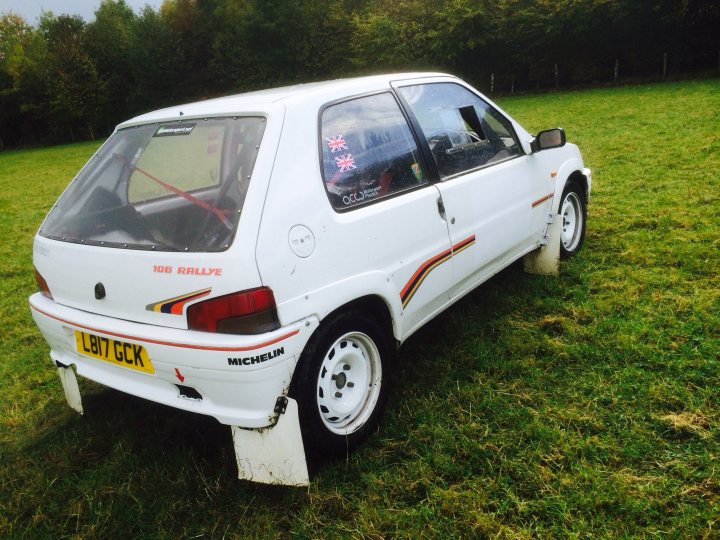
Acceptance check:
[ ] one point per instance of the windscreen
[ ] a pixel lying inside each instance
(173, 186)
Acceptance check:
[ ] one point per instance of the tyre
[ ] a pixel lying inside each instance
(342, 382)
(574, 216)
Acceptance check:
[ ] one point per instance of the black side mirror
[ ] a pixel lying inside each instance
(549, 138)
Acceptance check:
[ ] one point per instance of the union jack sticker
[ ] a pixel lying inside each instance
(337, 143)
(345, 162)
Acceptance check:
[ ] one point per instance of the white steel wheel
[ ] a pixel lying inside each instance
(572, 213)
(348, 384)
(341, 382)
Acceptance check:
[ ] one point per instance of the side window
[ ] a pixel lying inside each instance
(463, 131)
(368, 151)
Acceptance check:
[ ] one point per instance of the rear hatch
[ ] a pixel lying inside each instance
(157, 220)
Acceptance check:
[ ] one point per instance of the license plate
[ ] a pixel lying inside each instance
(116, 352)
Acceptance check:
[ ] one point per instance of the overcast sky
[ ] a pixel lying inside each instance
(30, 9)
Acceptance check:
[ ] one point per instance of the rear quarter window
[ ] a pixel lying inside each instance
(368, 151)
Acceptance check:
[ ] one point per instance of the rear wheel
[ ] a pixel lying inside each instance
(341, 383)
(573, 214)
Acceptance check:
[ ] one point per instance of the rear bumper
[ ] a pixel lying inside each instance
(238, 377)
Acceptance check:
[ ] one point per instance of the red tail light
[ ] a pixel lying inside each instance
(42, 284)
(247, 312)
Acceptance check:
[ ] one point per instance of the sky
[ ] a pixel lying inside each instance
(31, 9)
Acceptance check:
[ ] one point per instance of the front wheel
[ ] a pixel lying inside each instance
(341, 383)
(574, 215)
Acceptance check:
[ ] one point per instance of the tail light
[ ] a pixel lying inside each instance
(42, 285)
(247, 312)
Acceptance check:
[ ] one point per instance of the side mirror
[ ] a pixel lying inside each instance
(550, 138)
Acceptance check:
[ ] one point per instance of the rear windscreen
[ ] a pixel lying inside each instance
(174, 186)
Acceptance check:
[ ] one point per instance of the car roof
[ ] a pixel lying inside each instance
(257, 101)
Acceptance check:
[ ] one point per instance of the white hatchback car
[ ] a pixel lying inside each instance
(258, 258)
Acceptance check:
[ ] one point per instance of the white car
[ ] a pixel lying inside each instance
(259, 258)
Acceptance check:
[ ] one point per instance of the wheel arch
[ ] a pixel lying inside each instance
(579, 178)
(373, 305)
(573, 223)
(570, 171)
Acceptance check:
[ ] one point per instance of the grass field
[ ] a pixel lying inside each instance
(584, 405)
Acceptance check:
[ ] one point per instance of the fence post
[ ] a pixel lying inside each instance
(557, 77)
(512, 86)
(492, 83)
(664, 65)
(617, 70)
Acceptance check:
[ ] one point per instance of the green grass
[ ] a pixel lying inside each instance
(584, 405)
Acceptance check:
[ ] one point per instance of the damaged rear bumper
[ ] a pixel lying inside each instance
(242, 381)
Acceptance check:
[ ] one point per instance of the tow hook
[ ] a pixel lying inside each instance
(281, 405)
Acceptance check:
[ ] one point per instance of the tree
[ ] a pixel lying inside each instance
(259, 44)
(66, 79)
(157, 68)
(190, 26)
(417, 34)
(73, 84)
(109, 41)
(395, 35)
(23, 89)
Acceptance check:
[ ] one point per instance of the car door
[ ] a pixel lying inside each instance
(493, 202)
(376, 180)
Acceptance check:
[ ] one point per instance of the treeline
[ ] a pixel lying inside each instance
(64, 79)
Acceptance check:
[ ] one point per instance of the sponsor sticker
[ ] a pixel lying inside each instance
(360, 196)
(417, 172)
(173, 130)
(258, 359)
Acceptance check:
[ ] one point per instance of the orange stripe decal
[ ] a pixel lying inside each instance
(542, 199)
(170, 343)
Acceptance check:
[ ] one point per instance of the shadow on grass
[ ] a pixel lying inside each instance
(158, 453)
(480, 316)
(121, 436)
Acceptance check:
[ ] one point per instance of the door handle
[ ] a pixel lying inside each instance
(441, 208)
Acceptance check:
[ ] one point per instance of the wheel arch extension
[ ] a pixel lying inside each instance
(372, 305)
(570, 171)
(579, 178)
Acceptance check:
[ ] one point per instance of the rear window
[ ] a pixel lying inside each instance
(176, 186)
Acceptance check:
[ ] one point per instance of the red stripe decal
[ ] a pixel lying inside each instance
(464, 243)
(169, 343)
